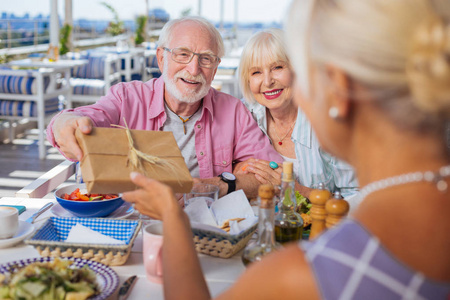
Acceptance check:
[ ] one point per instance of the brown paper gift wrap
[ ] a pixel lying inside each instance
(105, 167)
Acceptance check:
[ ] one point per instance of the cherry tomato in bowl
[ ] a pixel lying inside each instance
(75, 199)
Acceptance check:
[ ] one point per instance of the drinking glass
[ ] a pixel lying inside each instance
(202, 191)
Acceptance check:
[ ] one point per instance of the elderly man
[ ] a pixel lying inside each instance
(213, 130)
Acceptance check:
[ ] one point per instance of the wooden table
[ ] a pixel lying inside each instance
(219, 273)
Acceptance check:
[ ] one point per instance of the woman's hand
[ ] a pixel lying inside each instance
(153, 199)
(263, 172)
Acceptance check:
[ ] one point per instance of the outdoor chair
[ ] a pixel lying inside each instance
(92, 81)
(35, 94)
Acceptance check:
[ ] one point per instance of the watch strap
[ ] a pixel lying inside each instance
(231, 184)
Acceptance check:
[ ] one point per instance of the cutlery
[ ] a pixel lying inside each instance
(126, 288)
(39, 212)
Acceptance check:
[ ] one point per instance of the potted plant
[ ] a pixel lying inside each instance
(115, 27)
(64, 39)
(140, 30)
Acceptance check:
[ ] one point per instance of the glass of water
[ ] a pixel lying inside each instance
(202, 191)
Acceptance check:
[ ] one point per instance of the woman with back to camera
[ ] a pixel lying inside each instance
(266, 79)
(382, 69)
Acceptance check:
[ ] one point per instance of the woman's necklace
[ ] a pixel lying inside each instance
(428, 176)
(181, 118)
(280, 140)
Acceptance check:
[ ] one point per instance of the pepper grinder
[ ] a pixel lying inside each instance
(337, 208)
(318, 198)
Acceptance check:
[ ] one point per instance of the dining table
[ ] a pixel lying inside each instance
(45, 63)
(220, 273)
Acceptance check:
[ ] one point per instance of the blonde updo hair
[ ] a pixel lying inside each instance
(264, 47)
(398, 50)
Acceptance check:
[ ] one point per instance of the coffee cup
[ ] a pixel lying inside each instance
(153, 240)
(9, 220)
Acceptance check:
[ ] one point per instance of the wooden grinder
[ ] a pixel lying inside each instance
(318, 198)
(337, 208)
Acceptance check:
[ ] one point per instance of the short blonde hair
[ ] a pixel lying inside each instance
(264, 47)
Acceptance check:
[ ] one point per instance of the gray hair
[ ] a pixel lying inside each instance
(398, 50)
(165, 36)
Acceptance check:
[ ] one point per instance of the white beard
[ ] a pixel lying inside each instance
(186, 95)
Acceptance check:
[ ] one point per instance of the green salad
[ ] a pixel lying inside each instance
(53, 280)
(303, 208)
(302, 203)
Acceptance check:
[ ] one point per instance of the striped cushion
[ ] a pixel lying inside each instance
(10, 84)
(95, 69)
(28, 108)
(93, 87)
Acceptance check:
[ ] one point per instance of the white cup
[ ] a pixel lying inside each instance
(9, 220)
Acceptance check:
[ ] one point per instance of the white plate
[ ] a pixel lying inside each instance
(122, 212)
(25, 230)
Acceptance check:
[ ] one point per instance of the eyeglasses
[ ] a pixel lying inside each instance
(184, 56)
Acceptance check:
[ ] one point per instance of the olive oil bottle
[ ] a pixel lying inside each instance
(265, 243)
(288, 223)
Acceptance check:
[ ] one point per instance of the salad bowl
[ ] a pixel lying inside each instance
(93, 207)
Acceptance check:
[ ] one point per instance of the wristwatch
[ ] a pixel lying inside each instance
(230, 179)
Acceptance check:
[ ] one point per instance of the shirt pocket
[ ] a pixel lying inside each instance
(222, 160)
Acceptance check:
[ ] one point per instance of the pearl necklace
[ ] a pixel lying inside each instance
(428, 176)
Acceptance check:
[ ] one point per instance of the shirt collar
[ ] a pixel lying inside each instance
(157, 106)
(208, 103)
(259, 113)
(302, 131)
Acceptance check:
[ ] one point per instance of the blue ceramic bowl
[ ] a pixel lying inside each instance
(86, 209)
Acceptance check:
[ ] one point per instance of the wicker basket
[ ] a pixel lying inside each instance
(49, 240)
(221, 244)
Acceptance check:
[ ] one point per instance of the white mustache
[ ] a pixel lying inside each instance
(185, 75)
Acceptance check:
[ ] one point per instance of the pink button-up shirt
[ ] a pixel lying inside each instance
(224, 133)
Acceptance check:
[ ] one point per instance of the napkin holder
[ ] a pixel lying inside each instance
(49, 239)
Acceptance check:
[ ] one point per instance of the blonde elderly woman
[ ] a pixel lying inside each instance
(266, 81)
(382, 68)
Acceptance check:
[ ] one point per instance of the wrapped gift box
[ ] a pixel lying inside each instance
(106, 165)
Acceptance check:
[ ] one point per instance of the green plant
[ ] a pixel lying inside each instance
(140, 29)
(186, 12)
(4, 58)
(116, 26)
(64, 39)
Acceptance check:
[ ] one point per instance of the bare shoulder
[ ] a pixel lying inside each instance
(283, 275)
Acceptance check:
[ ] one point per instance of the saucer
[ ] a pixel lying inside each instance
(122, 212)
(25, 229)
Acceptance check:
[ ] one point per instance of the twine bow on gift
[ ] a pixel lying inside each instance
(137, 158)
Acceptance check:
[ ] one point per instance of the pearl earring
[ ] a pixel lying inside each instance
(333, 112)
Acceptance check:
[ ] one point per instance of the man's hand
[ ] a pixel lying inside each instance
(64, 132)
